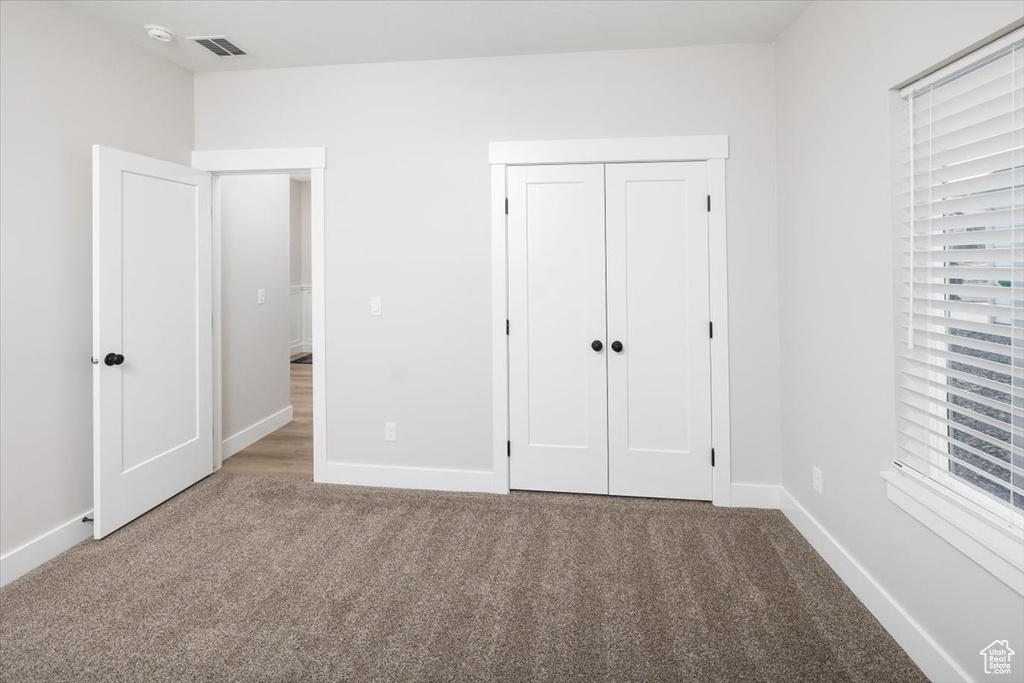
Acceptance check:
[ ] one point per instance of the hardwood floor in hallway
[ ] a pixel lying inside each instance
(288, 452)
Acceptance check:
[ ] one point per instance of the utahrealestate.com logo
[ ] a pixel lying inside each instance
(997, 657)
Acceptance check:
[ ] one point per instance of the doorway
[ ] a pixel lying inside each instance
(266, 340)
(304, 165)
(157, 247)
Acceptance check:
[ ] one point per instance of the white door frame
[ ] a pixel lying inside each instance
(283, 160)
(713, 149)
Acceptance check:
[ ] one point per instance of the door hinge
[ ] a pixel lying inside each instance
(506, 327)
(709, 204)
(510, 449)
(711, 329)
(506, 206)
(712, 457)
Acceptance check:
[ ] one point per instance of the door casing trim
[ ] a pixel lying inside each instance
(312, 160)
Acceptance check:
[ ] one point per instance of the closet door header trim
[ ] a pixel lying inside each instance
(610, 150)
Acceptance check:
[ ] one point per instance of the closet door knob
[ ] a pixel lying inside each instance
(113, 359)
(617, 346)
(597, 345)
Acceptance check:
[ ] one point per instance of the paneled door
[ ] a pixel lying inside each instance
(659, 363)
(609, 348)
(557, 355)
(152, 334)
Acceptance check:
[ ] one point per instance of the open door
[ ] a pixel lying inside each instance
(152, 334)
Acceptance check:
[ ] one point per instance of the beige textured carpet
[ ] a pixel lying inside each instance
(258, 579)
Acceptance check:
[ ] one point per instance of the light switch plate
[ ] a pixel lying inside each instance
(374, 305)
(816, 479)
(390, 431)
(261, 296)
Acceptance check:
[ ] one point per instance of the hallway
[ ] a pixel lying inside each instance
(288, 452)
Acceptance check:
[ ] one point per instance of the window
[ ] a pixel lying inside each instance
(961, 280)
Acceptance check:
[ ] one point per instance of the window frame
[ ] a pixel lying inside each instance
(991, 541)
(987, 531)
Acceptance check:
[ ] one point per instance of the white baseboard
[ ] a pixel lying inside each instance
(935, 662)
(301, 347)
(391, 476)
(44, 548)
(254, 433)
(755, 496)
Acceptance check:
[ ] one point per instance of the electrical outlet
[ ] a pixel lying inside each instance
(816, 480)
(261, 296)
(374, 305)
(390, 431)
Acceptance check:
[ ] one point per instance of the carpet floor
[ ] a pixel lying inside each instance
(258, 579)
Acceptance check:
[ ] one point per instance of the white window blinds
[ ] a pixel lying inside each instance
(961, 282)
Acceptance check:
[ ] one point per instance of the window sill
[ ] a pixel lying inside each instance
(995, 545)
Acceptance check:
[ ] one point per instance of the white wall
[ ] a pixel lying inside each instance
(836, 65)
(255, 234)
(54, 104)
(407, 219)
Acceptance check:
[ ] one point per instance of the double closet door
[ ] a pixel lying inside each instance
(609, 349)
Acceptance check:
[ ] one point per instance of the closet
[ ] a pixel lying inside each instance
(609, 356)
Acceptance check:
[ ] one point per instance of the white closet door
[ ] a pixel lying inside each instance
(659, 384)
(557, 380)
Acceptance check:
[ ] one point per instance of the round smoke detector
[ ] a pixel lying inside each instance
(164, 35)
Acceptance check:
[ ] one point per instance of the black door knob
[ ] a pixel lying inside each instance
(113, 359)
(617, 346)
(119, 359)
(597, 345)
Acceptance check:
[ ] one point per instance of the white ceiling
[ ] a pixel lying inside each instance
(308, 33)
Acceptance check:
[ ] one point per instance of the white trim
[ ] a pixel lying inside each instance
(282, 160)
(995, 544)
(260, 160)
(718, 268)
(255, 432)
(216, 258)
(610, 151)
(317, 219)
(394, 476)
(935, 662)
(38, 551)
(713, 149)
(963, 60)
(764, 496)
(499, 338)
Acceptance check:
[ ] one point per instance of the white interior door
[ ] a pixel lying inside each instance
(557, 380)
(152, 334)
(659, 383)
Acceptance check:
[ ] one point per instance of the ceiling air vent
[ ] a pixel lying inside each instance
(219, 45)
